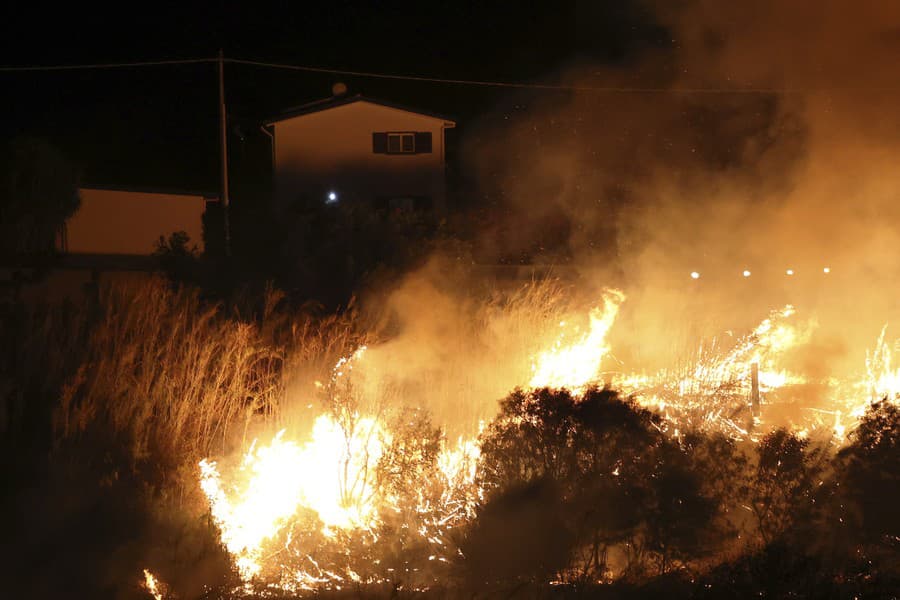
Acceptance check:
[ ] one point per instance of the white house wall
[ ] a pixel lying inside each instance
(331, 150)
(129, 222)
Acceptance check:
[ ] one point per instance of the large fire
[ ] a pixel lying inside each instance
(575, 365)
(336, 486)
(333, 478)
(299, 504)
(327, 475)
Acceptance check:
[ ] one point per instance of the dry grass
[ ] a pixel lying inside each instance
(167, 372)
(179, 379)
(168, 378)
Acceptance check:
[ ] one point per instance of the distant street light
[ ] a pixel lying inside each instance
(746, 273)
(332, 198)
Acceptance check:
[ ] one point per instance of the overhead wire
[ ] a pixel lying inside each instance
(507, 84)
(400, 77)
(94, 66)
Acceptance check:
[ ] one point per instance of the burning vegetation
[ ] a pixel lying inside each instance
(295, 483)
(709, 409)
(651, 473)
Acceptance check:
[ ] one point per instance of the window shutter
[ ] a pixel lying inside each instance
(379, 143)
(423, 142)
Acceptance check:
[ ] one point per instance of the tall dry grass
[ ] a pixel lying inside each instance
(167, 372)
(178, 379)
(107, 403)
(171, 378)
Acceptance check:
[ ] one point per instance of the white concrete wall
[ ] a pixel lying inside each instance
(332, 150)
(128, 222)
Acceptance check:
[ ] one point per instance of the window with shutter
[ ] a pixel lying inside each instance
(379, 143)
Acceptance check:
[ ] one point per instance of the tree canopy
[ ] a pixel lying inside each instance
(38, 192)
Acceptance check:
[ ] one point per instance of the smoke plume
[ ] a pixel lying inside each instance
(761, 137)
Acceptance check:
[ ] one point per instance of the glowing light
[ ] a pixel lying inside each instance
(789, 272)
(152, 585)
(328, 489)
(328, 475)
(575, 365)
(746, 273)
(826, 270)
(709, 393)
(332, 198)
(695, 275)
(325, 496)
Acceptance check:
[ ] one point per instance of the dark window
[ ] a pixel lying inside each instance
(379, 143)
(423, 142)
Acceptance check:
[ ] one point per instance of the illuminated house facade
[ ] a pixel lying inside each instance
(356, 149)
(111, 237)
(130, 222)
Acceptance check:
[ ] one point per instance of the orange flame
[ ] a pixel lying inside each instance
(577, 364)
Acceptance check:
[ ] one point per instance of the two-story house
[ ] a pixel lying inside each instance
(357, 149)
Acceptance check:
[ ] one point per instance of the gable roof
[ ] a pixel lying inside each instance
(205, 194)
(334, 102)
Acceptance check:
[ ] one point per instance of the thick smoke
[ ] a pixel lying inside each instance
(814, 183)
(759, 136)
(790, 163)
(453, 343)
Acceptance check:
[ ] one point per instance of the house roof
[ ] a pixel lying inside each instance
(206, 194)
(336, 101)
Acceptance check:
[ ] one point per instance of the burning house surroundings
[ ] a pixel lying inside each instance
(293, 508)
(627, 328)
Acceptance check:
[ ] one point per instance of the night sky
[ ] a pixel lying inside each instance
(156, 126)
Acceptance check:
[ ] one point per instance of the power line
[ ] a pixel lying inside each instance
(440, 80)
(86, 67)
(511, 84)
(399, 77)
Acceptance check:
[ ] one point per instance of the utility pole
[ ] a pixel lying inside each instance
(223, 145)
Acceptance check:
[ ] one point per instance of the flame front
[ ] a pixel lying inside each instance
(576, 365)
(337, 483)
(327, 475)
(152, 585)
